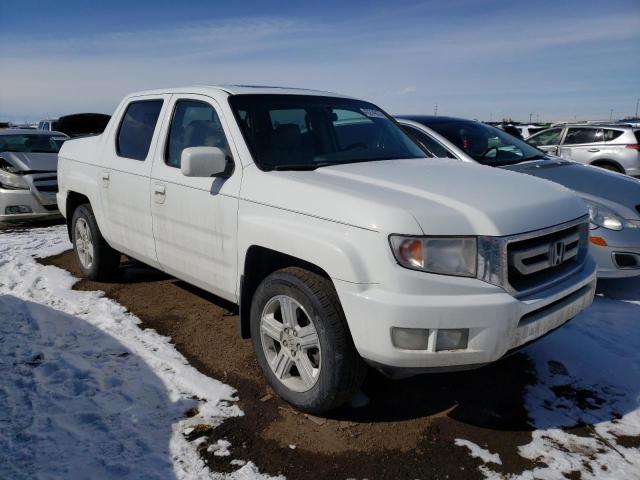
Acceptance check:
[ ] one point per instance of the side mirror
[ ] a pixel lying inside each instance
(203, 162)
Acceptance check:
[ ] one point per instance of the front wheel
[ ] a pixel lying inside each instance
(302, 343)
(95, 257)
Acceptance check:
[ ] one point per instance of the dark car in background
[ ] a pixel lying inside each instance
(78, 124)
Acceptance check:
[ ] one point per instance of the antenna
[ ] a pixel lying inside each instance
(435, 109)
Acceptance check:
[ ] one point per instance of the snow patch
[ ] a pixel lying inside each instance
(478, 452)
(85, 391)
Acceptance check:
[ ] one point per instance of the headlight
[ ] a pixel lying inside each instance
(444, 255)
(9, 179)
(603, 217)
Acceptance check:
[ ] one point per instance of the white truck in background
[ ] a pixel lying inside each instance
(342, 243)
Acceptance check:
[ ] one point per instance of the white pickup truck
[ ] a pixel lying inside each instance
(342, 243)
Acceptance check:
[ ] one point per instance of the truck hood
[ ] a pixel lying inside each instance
(420, 196)
(618, 192)
(27, 161)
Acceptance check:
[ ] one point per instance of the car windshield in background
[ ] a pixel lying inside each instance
(31, 143)
(306, 132)
(486, 144)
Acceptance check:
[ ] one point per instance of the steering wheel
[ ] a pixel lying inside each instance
(354, 145)
(484, 154)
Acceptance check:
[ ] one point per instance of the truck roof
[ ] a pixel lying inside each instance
(238, 90)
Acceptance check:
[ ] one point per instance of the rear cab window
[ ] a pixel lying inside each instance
(136, 129)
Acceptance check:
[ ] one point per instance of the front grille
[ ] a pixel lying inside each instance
(527, 262)
(541, 260)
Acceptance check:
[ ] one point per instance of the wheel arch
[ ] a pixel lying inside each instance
(607, 161)
(74, 200)
(259, 263)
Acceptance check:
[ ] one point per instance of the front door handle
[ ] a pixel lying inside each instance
(105, 179)
(159, 192)
(593, 150)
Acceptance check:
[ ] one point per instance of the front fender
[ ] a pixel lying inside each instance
(344, 252)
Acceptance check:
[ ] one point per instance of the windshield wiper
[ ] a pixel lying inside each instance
(539, 156)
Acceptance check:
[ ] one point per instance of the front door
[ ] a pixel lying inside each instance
(195, 219)
(547, 141)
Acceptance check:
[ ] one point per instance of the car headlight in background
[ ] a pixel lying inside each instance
(604, 217)
(9, 179)
(444, 255)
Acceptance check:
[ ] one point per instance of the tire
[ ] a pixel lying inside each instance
(317, 374)
(95, 258)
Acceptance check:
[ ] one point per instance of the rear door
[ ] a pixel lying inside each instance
(582, 144)
(547, 141)
(125, 178)
(195, 219)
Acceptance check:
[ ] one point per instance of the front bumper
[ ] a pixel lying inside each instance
(41, 210)
(497, 321)
(626, 241)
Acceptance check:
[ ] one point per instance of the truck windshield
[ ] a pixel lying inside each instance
(286, 132)
(31, 143)
(486, 144)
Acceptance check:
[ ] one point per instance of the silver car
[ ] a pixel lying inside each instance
(615, 147)
(613, 199)
(28, 174)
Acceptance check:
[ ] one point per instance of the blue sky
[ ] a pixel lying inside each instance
(486, 59)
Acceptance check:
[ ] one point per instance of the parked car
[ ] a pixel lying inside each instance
(78, 124)
(323, 221)
(613, 147)
(613, 199)
(28, 177)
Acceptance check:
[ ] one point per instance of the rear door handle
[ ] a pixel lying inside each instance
(593, 150)
(159, 191)
(105, 179)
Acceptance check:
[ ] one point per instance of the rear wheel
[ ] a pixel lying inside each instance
(301, 341)
(96, 259)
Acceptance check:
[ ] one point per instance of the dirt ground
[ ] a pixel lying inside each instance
(407, 430)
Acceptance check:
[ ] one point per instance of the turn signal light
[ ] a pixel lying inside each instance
(601, 242)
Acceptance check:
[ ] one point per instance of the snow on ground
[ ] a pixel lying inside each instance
(84, 392)
(478, 452)
(589, 378)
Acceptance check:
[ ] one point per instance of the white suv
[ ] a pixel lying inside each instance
(323, 221)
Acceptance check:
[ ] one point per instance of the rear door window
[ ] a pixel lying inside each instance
(136, 129)
(550, 137)
(580, 135)
(611, 134)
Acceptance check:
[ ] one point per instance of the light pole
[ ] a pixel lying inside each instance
(611, 115)
(637, 104)
(530, 115)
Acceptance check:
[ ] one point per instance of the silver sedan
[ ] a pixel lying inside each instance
(28, 174)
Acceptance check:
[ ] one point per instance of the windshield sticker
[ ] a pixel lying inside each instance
(371, 113)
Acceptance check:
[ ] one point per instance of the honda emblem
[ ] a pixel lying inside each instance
(556, 253)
